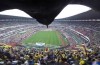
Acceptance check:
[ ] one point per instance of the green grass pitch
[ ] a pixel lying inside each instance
(47, 37)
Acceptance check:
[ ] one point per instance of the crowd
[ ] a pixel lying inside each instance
(63, 56)
(15, 33)
(92, 34)
(24, 56)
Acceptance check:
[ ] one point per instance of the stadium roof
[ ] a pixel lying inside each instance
(45, 10)
(8, 16)
(91, 14)
(7, 19)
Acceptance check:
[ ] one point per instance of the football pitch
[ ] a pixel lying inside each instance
(47, 37)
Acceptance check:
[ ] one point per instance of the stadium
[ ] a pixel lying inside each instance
(42, 40)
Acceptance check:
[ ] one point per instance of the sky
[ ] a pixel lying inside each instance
(69, 10)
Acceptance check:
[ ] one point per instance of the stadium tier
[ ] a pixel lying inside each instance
(65, 41)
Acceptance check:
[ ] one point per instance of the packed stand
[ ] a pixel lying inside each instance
(24, 56)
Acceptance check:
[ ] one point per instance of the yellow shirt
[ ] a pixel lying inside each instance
(82, 62)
